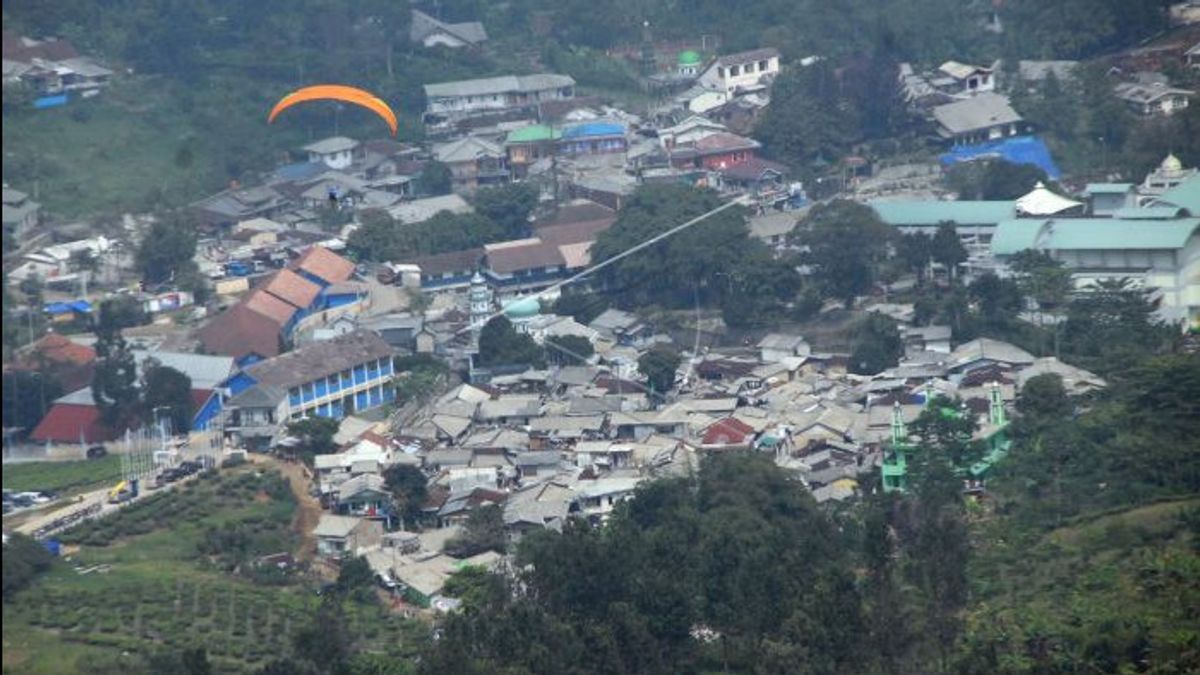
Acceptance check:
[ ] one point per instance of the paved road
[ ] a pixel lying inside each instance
(95, 501)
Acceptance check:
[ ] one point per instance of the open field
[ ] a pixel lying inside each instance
(62, 477)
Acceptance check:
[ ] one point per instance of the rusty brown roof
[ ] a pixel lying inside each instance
(262, 302)
(324, 264)
(239, 331)
(528, 256)
(292, 288)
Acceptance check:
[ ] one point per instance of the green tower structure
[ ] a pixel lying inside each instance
(895, 457)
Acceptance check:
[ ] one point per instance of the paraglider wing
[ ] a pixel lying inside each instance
(337, 92)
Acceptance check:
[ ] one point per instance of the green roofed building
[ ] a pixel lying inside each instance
(529, 144)
(1157, 247)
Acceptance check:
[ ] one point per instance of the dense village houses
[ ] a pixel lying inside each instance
(450, 101)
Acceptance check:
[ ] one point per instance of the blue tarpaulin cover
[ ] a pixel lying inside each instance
(1016, 150)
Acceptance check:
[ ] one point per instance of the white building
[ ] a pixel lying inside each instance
(428, 31)
(465, 98)
(742, 72)
(336, 152)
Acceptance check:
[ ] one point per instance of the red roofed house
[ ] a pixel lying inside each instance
(66, 361)
(727, 434)
(253, 326)
(715, 152)
(292, 288)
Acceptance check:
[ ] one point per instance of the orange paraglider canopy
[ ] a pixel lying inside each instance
(337, 92)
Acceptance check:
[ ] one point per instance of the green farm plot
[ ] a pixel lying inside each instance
(62, 476)
(180, 575)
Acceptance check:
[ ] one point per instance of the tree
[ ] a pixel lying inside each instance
(408, 486)
(846, 243)
(659, 365)
(475, 586)
(28, 395)
(583, 307)
(690, 266)
(170, 242)
(114, 381)
(568, 350)
(509, 206)
(482, 531)
(327, 643)
(1045, 281)
(811, 119)
(1044, 398)
(314, 437)
(915, 251)
(501, 344)
(435, 179)
(169, 391)
(877, 345)
(24, 560)
(947, 249)
(945, 428)
(760, 290)
(119, 313)
(188, 661)
(999, 299)
(1112, 322)
(355, 578)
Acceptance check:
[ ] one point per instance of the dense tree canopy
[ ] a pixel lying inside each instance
(167, 394)
(167, 247)
(501, 345)
(659, 365)
(846, 244)
(380, 237)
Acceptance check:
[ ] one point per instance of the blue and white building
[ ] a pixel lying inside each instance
(333, 378)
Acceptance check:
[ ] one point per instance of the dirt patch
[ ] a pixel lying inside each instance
(308, 508)
(262, 497)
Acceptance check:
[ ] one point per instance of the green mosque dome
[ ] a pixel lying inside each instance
(523, 309)
(689, 57)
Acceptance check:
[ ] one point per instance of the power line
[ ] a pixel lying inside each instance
(620, 256)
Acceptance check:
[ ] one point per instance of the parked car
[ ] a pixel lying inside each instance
(97, 452)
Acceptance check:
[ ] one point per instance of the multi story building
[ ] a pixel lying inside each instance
(451, 101)
(742, 72)
(333, 379)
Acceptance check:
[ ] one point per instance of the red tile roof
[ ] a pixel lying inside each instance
(324, 264)
(56, 348)
(51, 50)
(724, 142)
(752, 169)
(575, 233)
(241, 330)
(261, 302)
(729, 431)
(69, 423)
(199, 398)
(292, 288)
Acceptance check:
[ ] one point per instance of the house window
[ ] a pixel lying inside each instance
(308, 393)
(762, 66)
(734, 71)
(720, 71)
(748, 68)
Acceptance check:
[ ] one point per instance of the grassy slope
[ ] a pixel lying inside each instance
(62, 476)
(105, 154)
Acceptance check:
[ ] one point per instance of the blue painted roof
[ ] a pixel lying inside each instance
(1015, 150)
(590, 129)
(81, 306)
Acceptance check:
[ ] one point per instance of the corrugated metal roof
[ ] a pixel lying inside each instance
(1083, 234)
(1013, 236)
(931, 213)
(1186, 195)
(498, 85)
(979, 112)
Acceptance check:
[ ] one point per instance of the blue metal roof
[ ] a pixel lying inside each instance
(590, 129)
(1015, 150)
(80, 306)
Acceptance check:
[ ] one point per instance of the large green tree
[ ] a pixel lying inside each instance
(169, 244)
(501, 344)
(659, 365)
(166, 394)
(846, 244)
(877, 345)
(509, 206)
(115, 381)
